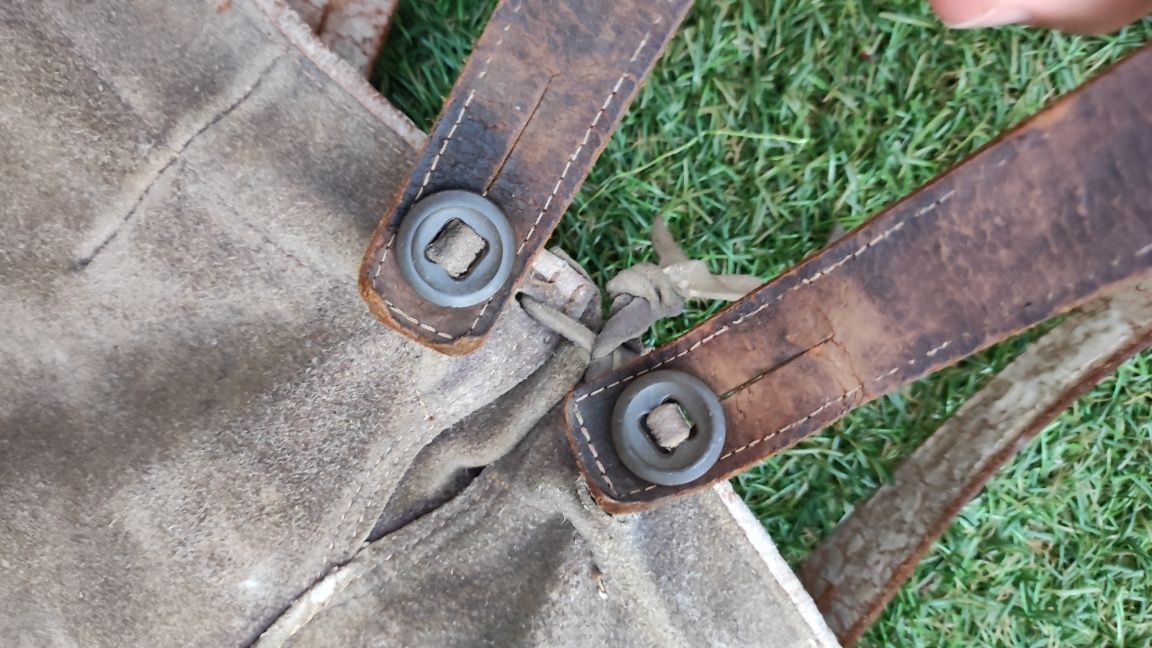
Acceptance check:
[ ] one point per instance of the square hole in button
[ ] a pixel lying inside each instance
(668, 425)
(457, 248)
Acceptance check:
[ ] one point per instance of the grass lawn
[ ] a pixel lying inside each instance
(764, 126)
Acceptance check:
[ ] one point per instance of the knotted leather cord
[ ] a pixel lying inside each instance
(641, 296)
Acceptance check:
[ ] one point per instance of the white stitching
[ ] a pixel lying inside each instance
(539, 217)
(451, 134)
(938, 349)
(429, 415)
(480, 315)
(852, 392)
(793, 424)
(640, 47)
(723, 329)
(420, 192)
(572, 159)
(396, 309)
(875, 379)
(816, 412)
(803, 282)
(560, 182)
(592, 447)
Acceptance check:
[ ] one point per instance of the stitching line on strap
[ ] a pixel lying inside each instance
(396, 309)
(567, 167)
(803, 282)
(725, 328)
(930, 354)
(816, 412)
(424, 185)
(592, 448)
(572, 159)
(848, 394)
(451, 134)
(539, 217)
(878, 378)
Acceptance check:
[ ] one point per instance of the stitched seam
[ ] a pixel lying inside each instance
(848, 394)
(814, 413)
(725, 328)
(556, 187)
(380, 562)
(539, 217)
(444, 145)
(420, 192)
(356, 496)
(429, 415)
(819, 410)
(572, 159)
(396, 309)
(592, 448)
(343, 586)
(929, 354)
(568, 167)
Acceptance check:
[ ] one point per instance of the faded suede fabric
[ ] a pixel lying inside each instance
(199, 419)
(524, 557)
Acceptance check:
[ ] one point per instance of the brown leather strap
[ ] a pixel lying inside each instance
(1050, 215)
(537, 102)
(859, 568)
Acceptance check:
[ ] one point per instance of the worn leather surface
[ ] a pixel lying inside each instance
(1055, 212)
(535, 105)
(856, 571)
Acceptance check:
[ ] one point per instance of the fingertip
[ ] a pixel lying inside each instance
(955, 13)
(1074, 16)
(996, 17)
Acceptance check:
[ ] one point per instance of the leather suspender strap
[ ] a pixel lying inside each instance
(855, 571)
(535, 106)
(1053, 213)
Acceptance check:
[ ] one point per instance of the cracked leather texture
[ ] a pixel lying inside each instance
(1050, 215)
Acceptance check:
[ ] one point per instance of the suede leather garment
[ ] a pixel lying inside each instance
(525, 557)
(199, 420)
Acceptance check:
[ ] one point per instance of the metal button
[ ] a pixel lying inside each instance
(450, 287)
(637, 446)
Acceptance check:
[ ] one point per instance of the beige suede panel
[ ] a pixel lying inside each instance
(200, 421)
(199, 416)
(525, 558)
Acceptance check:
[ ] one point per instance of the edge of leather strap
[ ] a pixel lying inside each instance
(1123, 92)
(536, 103)
(852, 581)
